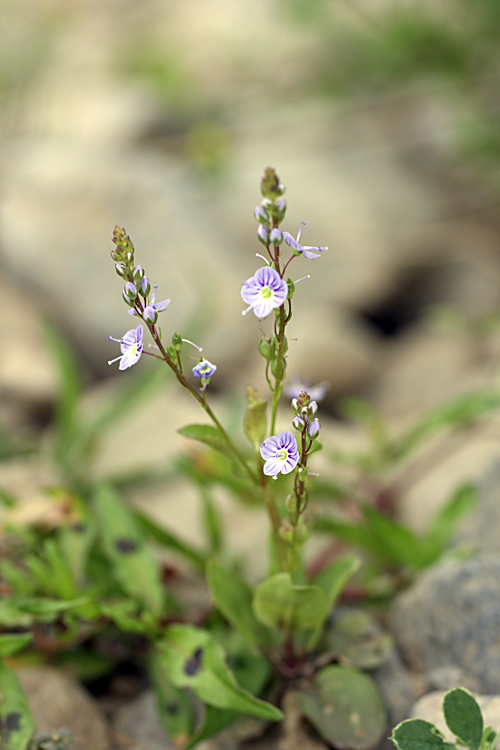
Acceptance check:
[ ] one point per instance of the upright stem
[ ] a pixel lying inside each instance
(279, 377)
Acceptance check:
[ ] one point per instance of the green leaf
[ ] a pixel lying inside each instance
(169, 540)
(192, 658)
(16, 722)
(63, 584)
(214, 721)
(396, 543)
(124, 614)
(174, 706)
(133, 563)
(333, 579)
(278, 602)
(251, 673)
(212, 522)
(75, 542)
(255, 423)
(23, 611)
(463, 717)
(345, 707)
(233, 598)
(17, 579)
(443, 526)
(462, 412)
(11, 643)
(417, 734)
(206, 434)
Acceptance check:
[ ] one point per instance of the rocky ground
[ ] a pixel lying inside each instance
(87, 141)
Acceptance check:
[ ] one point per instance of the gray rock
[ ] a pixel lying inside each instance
(451, 618)
(397, 686)
(58, 700)
(138, 725)
(482, 530)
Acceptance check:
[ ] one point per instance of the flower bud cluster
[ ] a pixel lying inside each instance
(303, 421)
(138, 293)
(272, 209)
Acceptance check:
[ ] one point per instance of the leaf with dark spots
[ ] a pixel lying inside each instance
(172, 709)
(125, 546)
(193, 664)
(12, 723)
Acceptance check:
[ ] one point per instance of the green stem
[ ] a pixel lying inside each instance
(201, 400)
(279, 368)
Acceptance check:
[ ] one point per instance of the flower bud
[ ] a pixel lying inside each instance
(262, 216)
(301, 534)
(275, 236)
(127, 300)
(313, 429)
(128, 258)
(286, 532)
(116, 255)
(130, 290)
(150, 315)
(138, 274)
(312, 407)
(177, 342)
(122, 270)
(267, 349)
(298, 423)
(145, 286)
(280, 208)
(263, 234)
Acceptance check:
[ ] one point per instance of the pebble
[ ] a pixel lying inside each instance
(450, 617)
(58, 700)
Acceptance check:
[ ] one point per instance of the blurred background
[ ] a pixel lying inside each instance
(380, 116)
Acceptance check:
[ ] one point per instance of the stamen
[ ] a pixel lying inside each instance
(258, 255)
(303, 278)
(187, 341)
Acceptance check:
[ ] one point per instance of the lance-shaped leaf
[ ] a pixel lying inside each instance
(333, 578)
(255, 421)
(134, 565)
(278, 602)
(463, 717)
(174, 706)
(417, 734)
(206, 434)
(192, 658)
(11, 643)
(16, 722)
(233, 598)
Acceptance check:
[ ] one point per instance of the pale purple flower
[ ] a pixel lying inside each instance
(131, 346)
(263, 234)
(280, 454)
(313, 429)
(131, 290)
(150, 313)
(275, 236)
(306, 250)
(204, 369)
(265, 291)
(261, 215)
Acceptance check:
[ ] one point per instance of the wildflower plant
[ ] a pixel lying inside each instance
(95, 575)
